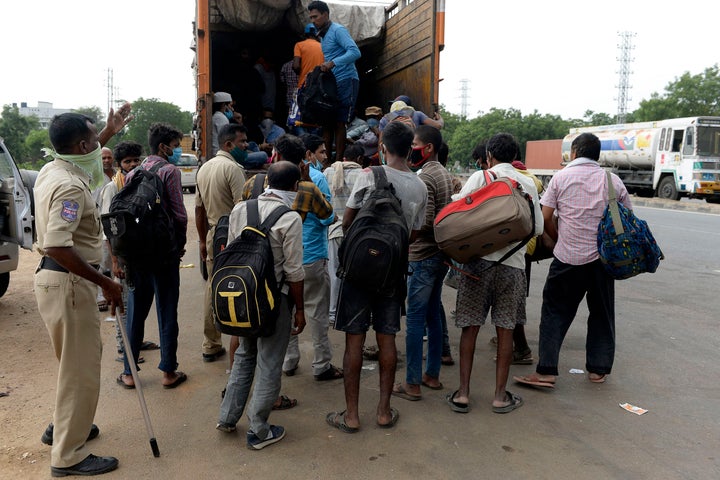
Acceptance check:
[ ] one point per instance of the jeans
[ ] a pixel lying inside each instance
(163, 284)
(264, 356)
(424, 294)
(316, 296)
(565, 287)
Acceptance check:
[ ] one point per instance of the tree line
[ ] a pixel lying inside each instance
(24, 137)
(686, 96)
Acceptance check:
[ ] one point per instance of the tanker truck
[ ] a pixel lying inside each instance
(667, 158)
(400, 42)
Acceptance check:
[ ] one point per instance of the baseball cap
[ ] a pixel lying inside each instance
(402, 98)
(222, 97)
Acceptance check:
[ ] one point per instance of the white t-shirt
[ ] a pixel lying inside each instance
(410, 190)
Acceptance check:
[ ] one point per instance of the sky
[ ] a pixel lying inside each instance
(553, 57)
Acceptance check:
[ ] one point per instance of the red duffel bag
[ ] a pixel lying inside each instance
(489, 219)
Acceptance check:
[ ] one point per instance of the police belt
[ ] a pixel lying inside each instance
(47, 263)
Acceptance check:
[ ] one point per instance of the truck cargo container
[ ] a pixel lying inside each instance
(400, 44)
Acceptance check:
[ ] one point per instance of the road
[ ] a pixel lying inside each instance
(666, 362)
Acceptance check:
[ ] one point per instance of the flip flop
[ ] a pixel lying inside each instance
(337, 420)
(394, 415)
(456, 406)
(103, 306)
(439, 386)
(516, 401)
(122, 383)
(181, 377)
(285, 403)
(399, 391)
(149, 346)
(599, 379)
(534, 381)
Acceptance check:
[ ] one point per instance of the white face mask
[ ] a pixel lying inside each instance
(90, 163)
(287, 197)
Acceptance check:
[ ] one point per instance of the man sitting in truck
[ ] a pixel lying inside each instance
(340, 53)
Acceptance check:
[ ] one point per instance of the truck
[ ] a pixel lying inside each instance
(16, 214)
(400, 43)
(669, 159)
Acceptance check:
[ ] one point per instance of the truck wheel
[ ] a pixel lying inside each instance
(4, 282)
(712, 199)
(191, 189)
(667, 188)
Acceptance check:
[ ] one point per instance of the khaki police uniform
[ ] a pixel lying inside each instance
(66, 216)
(219, 187)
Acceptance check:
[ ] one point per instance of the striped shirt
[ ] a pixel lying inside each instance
(578, 193)
(439, 185)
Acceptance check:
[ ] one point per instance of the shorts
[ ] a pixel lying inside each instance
(347, 96)
(357, 309)
(500, 289)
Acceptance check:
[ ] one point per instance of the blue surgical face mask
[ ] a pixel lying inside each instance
(373, 122)
(228, 114)
(239, 154)
(175, 157)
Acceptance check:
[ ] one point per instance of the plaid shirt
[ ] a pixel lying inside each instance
(309, 199)
(578, 193)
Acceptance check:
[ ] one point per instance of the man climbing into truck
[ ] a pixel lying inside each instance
(340, 53)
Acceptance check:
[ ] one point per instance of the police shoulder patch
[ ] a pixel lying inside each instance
(69, 211)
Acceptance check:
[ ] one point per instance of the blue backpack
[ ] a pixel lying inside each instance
(625, 243)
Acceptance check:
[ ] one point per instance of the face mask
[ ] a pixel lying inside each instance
(417, 158)
(90, 163)
(175, 157)
(239, 154)
(373, 122)
(228, 114)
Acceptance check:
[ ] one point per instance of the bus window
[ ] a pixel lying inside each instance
(689, 146)
(668, 139)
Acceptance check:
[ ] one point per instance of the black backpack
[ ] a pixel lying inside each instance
(223, 225)
(139, 229)
(318, 100)
(245, 292)
(374, 253)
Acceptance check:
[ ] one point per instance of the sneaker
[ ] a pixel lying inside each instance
(225, 427)
(275, 434)
(92, 465)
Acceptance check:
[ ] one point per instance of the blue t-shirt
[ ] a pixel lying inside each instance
(338, 46)
(315, 231)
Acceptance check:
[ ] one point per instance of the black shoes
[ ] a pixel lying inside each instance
(92, 465)
(211, 357)
(47, 436)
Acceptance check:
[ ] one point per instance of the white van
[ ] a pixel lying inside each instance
(16, 214)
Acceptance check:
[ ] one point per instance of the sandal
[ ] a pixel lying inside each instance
(147, 345)
(103, 306)
(456, 406)
(332, 373)
(285, 402)
(516, 401)
(370, 353)
(337, 420)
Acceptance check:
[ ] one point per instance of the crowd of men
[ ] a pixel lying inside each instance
(314, 203)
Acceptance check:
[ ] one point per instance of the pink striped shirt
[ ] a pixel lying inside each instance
(578, 193)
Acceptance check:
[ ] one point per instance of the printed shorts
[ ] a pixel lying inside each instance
(499, 291)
